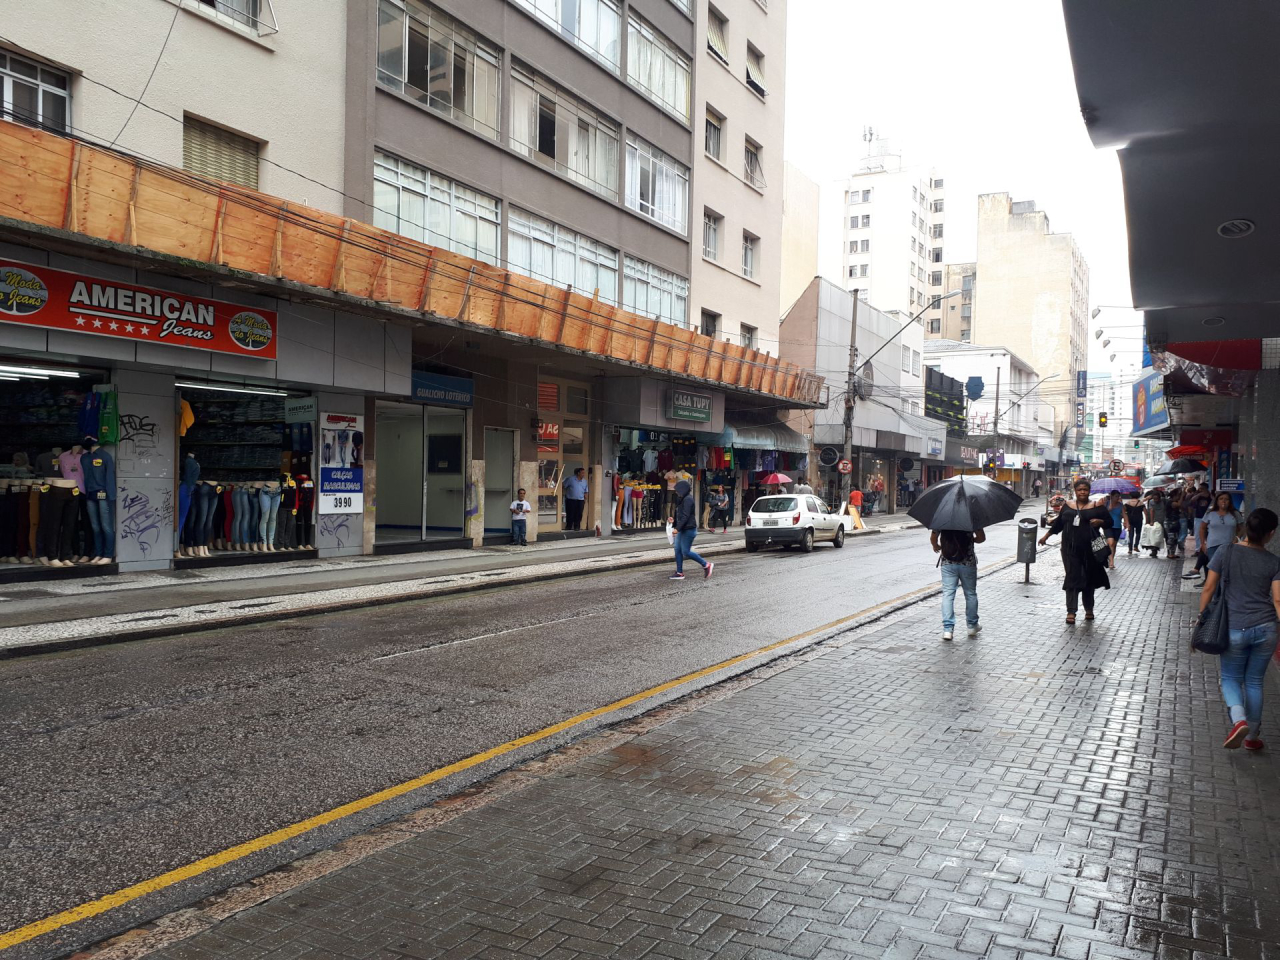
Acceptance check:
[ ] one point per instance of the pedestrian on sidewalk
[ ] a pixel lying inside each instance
(686, 528)
(1220, 526)
(1252, 598)
(1157, 524)
(1079, 522)
(855, 508)
(1133, 515)
(719, 510)
(959, 564)
(575, 499)
(1176, 531)
(520, 510)
(802, 486)
(1115, 509)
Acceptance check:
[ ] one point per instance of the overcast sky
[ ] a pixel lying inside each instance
(983, 93)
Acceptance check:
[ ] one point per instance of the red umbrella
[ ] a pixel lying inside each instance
(775, 480)
(1186, 450)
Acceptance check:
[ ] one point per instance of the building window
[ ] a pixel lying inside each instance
(754, 170)
(715, 127)
(711, 225)
(866, 219)
(423, 205)
(593, 26)
(866, 246)
(426, 55)
(866, 196)
(915, 363)
(210, 151)
(554, 254)
(935, 278)
(914, 196)
(966, 310)
(562, 132)
(936, 255)
(913, 218)
(920, 276)
(36, 95)
(906, 359)
(936, 231)
(854, 196)
(937, 206)
(913, 244)
(865, 269)
(657, 68)
(717, 37)
(853, 246)
(710, 324)
(935, 326)
(653, 292)
(937, 184)
(750, 252)
(966, 282)
(755, 70)
(853, 271)
(243, 12)
(911, 270)
(750, 337)
(853, 223)
(684, 5)
(657, 185)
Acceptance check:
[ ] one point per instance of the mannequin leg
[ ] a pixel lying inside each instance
(105, 511)
(91, 510)
(47, 536)
(184, 510)
(67, 526)
(264, 502)
(210, 515)
(273, 511)
(22, 520)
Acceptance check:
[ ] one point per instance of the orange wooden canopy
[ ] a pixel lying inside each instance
(67, 184)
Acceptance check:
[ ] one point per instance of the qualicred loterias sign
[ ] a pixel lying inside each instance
(58, 300)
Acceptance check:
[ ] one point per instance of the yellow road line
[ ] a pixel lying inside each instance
(112, 900)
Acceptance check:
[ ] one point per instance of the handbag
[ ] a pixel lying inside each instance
(1212, 632)
(1153, 534)
(1101, 549)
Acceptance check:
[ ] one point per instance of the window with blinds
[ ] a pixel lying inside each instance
(210, 151)
(716, 41)
(755, 71)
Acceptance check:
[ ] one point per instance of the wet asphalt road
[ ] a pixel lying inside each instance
(125, 761)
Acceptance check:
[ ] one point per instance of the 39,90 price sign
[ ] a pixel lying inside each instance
(341, 456)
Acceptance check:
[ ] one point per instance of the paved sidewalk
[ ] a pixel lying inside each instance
(1040, 790)
(133, 606)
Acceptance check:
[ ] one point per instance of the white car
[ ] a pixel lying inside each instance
(792, 519)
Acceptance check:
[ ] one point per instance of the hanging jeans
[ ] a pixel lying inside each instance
(269, 505)
(102, 516)
(240, 530)
(684, 550)
(963, 575)
(1244, 666)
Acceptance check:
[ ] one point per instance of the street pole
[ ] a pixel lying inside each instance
(850, 396)
(995, 429)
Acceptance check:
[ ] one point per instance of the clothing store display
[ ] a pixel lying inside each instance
(69, 466)
(8, 523)
(239, 515)
(45, 462)
(287, 517)
(186, 417)
(306, 511)
(269, 506)
(102, 517)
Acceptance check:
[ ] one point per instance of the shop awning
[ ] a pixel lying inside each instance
(761, 436)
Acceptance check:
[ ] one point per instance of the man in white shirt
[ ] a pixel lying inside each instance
(520, 510)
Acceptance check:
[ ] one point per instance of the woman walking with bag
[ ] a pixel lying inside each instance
(1115, 507)
(1251, 594)
(1080, 524)
(1157, 523)
(1216, 529)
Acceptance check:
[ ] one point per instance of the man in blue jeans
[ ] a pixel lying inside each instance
(959, 569)
(520, 510)
(686, 528)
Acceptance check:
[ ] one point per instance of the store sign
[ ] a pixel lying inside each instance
(1227, 485)
(548, 437)
(1207, 438)
(442, 391)
(1082, 384)
(58, 300)
(1079, 415)
(968, 454)
(341, 463)
(687, 405)
(300, 410)
(935, 446)
(1149, 412)
(829, 456)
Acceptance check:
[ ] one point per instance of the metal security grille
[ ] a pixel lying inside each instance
(213, 152)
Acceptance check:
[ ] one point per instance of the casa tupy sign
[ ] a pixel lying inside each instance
(58, 300)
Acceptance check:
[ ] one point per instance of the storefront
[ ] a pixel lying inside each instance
(562, 434)
(422, 479)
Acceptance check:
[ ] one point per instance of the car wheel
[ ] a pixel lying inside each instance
(838, 542)
(807, 543)
(752, 547)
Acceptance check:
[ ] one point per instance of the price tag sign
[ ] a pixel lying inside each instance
(341, 469)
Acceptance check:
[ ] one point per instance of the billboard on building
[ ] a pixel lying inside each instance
(1149, 412)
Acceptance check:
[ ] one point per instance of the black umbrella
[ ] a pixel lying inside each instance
(1181, 465)
(965, 503)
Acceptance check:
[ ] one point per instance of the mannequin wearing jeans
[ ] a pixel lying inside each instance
(287, 524)
(306, 511)
(186, 492)
(59, 508)
(99, 471)
(200, 520)
(269, 504)
(210, 493)
(240, 530)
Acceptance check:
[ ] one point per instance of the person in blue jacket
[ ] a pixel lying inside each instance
(686, 528)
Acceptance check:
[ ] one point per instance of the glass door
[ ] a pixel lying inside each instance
(445, 486)
(399, 430)
(499, 478)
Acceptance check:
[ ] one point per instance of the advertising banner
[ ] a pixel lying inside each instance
(1149, 412)
(58, 300)
(341, 463)
(1082, 384)
(435, 388)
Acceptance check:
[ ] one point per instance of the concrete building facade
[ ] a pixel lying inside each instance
(882, 233)
(801, 199)
(738, 179)
(955, 319)
(1034, 293)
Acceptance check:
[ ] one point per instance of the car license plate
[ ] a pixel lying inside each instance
(771, 523)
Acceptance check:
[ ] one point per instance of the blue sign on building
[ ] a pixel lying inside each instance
(437, 389)
(1149, 411)
(1082, 384)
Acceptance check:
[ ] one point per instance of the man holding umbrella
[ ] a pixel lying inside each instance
(957, 511)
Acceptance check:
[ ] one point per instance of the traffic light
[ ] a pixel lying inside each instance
(1102, 420)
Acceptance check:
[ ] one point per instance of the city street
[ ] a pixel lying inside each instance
(131, 760)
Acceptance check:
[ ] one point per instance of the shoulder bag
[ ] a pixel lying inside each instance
(1212, 632)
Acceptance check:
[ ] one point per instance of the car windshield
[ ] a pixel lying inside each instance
(774, 505)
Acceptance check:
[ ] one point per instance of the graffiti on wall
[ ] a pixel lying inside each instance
(147, 520)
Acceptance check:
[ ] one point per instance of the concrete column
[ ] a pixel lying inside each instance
(475, 523)
(146, 501)
(528, 474)
(369, 522)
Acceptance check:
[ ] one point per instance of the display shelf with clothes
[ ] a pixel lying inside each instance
(41, 416)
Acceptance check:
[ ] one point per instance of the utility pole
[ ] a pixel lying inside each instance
(850, 396)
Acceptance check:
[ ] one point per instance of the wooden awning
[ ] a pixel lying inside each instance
(66, 184)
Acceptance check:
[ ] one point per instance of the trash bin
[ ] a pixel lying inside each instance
(1026, 540)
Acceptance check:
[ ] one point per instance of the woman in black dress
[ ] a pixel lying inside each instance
(1079, 522)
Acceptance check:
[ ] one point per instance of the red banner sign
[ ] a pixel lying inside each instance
(58, 300)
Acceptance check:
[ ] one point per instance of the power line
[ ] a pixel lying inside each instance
(151, 76)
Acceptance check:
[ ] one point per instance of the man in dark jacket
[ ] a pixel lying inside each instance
(686, 528)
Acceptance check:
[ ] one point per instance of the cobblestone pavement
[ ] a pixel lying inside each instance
(1040, 790)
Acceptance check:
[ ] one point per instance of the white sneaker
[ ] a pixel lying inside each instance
(973, 631)
(946, 634)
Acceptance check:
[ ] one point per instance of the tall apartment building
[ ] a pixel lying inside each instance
(801, 202)
(955, 320)
(1034, 295)
(740, 66)
(886, 216)
(1106, 394)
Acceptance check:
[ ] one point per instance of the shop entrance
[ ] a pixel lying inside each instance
(500, 482)
(563, 408)
(421, 483)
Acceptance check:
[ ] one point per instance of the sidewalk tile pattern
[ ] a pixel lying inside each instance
(1040, 791)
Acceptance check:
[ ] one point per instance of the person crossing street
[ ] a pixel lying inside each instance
(686, 528)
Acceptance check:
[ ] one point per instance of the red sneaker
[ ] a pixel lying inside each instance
(1254, 744)
(1237, 735)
